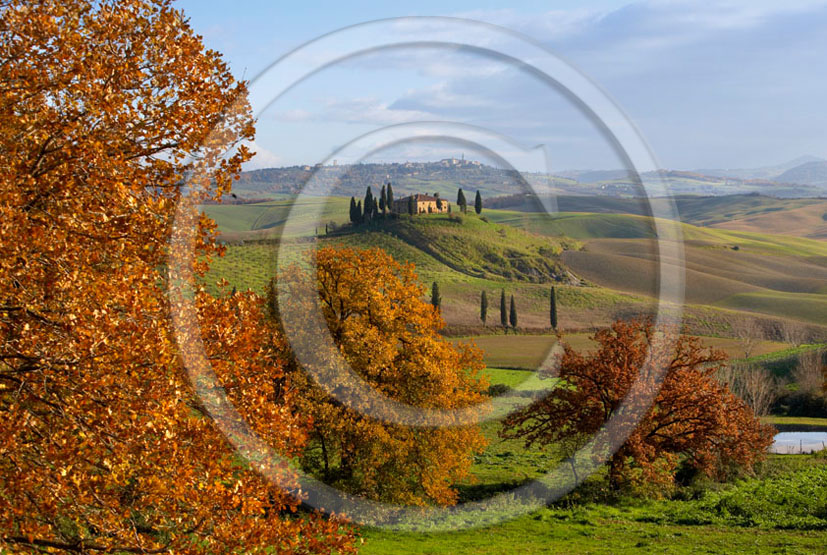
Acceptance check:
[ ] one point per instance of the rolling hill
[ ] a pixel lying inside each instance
(806, 221)
(808, 173)
(692, 209)
(786, 275)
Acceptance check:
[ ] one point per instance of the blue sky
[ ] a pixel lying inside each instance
(709, 84)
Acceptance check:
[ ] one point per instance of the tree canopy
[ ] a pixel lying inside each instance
(436, 296)
(388, 334)
(104, 445)
(461, 202)
(694, 420)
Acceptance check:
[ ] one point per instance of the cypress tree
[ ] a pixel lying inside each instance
(359, 216)
(411, 206)
(368, 213)
(553, 309)
(375, 210)
(389, 200)
(353, 218)
(478, 203)
(512, 317)
(383, 200)
(461, 200)
(503, 311)
(438, 202)
(483, 307)
(436, 298)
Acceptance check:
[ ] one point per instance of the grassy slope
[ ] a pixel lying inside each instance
(707, 211)
(805, 221)
(775, 275)
(252, 221)
(477, 248)
(595, 530)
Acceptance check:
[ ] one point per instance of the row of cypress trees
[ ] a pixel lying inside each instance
(509, 317)
(373, 207)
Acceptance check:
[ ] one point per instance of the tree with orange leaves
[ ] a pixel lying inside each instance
(377, 317)
(692, 419)
(104, 447)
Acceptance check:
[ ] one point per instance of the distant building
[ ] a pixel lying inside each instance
(424, 204)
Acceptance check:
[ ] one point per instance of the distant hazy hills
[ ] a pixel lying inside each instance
(804, 170)
(764, 172)
(803, 177)
(809, 173)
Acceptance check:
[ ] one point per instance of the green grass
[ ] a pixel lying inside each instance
(594, 530)
(480, 249)
(783, 511)
(577, 225)
(803, 421)
(507, 376)
(245, 267)
(308, 216)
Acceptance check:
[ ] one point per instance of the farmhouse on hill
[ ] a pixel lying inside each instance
(423, 204)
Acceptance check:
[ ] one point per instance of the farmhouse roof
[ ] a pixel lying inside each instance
(421, 198)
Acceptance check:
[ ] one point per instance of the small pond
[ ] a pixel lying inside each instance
(788, 443)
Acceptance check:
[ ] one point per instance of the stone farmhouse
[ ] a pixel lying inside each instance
(424, 204)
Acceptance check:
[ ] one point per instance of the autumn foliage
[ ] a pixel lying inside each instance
(377, 316)
(103, 445)
(692, 422)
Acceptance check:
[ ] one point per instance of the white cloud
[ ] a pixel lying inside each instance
(363, 110)
(263, 157)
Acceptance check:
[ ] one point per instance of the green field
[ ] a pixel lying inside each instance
(596, 529)
(803, 421)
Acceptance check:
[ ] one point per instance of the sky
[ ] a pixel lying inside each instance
(709, 84)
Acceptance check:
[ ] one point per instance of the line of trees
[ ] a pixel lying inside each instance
(508, 313)
(372, 207)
